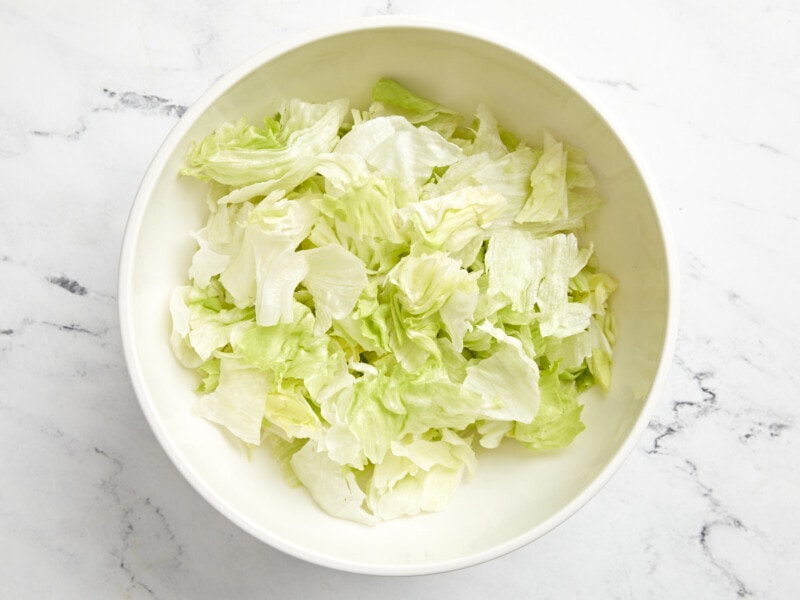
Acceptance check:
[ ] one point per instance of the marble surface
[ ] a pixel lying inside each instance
(706, 506)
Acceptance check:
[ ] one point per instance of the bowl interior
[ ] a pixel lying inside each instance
(516, 495)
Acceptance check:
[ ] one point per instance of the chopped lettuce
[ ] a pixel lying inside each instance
(377, 292)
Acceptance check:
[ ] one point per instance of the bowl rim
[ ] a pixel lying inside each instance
(130, 243)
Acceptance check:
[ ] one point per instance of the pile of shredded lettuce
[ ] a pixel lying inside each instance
(377, 292)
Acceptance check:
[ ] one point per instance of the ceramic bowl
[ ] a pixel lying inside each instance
(516, 496)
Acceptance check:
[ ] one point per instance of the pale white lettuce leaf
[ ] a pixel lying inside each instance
(335, 279)
(238, 402)
(548, 199)
(533, 275)
(508, 383)
(455, 223)
(396, 148)
(419, 475)
(332, 486)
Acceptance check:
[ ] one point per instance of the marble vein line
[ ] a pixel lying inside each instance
(707, 405)
(741, 589)
(72, 286)
(59, 279)
(720, 515)
(132, 509)
(66, 327)
(388, 9)
(686, 412)
(144, 103)
(75, 328)
(773, 428)
(613, 83)
(772, 149)
(723, 519)
(73, 135)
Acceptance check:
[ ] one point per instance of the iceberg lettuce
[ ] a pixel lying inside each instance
(377, 292)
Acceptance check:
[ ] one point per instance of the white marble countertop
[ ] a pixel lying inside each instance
(706, 506)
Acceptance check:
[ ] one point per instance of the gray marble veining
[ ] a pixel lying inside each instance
(706, 506)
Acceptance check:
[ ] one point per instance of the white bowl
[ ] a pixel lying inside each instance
(516, 496)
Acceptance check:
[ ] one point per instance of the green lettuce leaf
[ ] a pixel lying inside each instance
(559, 418)
(240, 154)
(391, 98)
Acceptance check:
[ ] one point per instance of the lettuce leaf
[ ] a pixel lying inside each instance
(240, 154)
